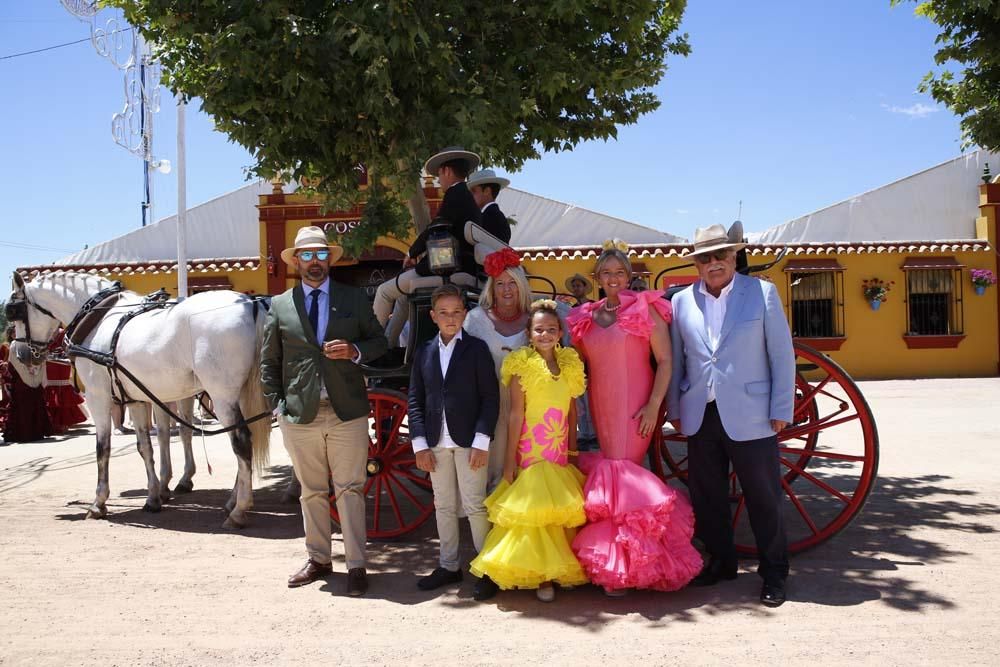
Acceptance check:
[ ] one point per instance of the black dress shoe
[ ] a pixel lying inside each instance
(772, 594)
(438, 578)
(357, 582)
(715, 571)
(484, 589)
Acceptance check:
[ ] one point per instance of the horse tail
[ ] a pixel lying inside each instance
(253, 403)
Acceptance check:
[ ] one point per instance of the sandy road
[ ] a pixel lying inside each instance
(911, 581)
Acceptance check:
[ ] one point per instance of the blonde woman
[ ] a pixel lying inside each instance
(639, 530)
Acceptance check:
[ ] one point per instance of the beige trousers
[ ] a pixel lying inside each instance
(326, 449)
(456, 483)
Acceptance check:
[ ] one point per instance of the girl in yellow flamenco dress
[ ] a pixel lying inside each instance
(537, 507)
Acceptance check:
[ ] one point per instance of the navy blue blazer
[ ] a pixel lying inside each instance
(468, 397)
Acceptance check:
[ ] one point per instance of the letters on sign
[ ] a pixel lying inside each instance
(340, 227)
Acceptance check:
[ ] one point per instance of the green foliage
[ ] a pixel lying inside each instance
(970, 37)
(315, 87)
(3, 321)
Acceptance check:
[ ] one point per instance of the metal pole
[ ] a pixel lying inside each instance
(182, 281)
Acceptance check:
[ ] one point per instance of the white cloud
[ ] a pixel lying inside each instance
(918, 110)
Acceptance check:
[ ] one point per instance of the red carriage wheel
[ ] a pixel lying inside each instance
(397, 494)
(829, 456)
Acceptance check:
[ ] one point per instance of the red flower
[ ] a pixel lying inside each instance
(501, 260)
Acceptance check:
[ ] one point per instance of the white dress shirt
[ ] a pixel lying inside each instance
(481, 440)
(715, 315)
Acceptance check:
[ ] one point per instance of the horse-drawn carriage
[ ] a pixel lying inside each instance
(829, 453)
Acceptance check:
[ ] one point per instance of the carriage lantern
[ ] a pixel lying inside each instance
(442, 248)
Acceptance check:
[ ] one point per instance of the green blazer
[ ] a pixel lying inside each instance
(292, 363)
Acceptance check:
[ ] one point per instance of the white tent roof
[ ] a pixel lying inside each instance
(228, 226)
(940, 203)
(543, 222)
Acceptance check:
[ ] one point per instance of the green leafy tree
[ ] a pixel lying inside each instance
(3, 321)
(314, 88)
(970, 37)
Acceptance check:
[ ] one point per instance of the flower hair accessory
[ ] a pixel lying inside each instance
(547, 304)
(499, 261)
(615, 244)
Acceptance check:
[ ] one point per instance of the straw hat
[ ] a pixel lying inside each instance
(311, 238)
(710, 239)
(486, 177)
(448, 154)
(579, 276)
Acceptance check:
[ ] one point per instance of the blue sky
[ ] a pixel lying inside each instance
(787, 105)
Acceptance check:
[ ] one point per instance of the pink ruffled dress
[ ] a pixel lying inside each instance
(639, 530)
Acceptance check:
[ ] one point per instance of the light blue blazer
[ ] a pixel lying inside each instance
(753, 369)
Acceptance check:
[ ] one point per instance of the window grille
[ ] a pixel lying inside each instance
(934, 301)
(816, 298)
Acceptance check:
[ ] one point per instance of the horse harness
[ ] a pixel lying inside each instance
(86, 320)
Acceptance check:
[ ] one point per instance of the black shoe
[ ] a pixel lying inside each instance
(715, 571)
(484, 589)
(438, 578)
(357, 582)
(772, 594)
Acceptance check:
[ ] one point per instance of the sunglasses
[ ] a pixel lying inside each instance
(321, 255)
(718, 255)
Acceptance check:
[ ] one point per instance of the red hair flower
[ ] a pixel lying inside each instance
(499, 261)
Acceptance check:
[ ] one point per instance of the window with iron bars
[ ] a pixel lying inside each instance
(817, 304)
(934, 302)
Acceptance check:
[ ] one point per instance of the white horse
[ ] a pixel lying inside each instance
(209, 342)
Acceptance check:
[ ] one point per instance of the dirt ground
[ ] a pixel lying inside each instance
(912, 580)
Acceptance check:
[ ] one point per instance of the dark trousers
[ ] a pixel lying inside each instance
(710, 452)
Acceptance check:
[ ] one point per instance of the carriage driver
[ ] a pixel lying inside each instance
(314, 384)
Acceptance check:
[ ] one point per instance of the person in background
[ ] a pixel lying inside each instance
(485, 187)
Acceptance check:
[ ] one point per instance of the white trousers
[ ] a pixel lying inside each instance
(457, 485)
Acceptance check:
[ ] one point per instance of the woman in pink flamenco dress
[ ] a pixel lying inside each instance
(639, 530)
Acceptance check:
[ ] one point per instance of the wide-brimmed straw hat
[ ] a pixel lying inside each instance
(486, 177)
(579, 276)
(447, 155)
(311, 238)
(711, 239)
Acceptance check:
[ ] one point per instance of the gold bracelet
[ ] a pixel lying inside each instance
(573, 453)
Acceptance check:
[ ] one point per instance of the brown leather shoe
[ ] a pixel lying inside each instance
(309, 573)
(357, 582)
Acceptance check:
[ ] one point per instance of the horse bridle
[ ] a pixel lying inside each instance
(16, 310)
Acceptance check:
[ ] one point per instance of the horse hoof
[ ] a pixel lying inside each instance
(165, 496)
(153, 509)
(101, 513)
(229, 524)
(184, 487)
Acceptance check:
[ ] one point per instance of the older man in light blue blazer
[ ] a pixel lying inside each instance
(731, 393)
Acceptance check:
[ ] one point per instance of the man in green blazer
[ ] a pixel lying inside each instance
(318, 391)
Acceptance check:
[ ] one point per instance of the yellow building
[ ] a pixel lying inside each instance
(923, 234)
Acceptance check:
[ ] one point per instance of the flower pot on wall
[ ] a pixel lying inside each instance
(875, 304)
(980, 290)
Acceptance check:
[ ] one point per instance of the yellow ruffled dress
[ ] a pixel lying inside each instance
(535, 518)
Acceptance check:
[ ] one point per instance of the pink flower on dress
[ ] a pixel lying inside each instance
(550, 434)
